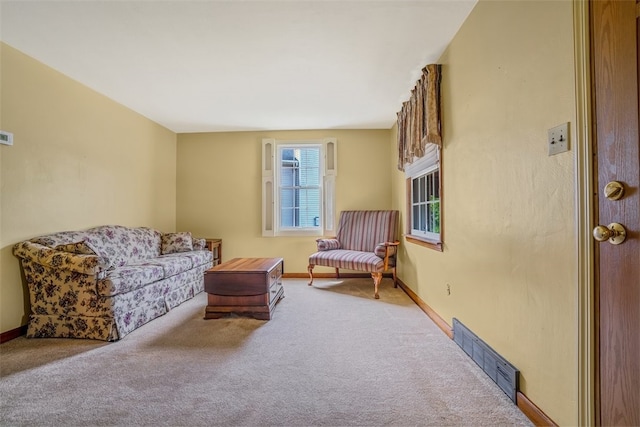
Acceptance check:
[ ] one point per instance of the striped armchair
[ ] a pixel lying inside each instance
(366, 241)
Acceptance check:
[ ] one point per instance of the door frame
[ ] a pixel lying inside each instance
(584, 220)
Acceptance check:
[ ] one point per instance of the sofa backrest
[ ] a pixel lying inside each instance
(120, 245)
(363, 230)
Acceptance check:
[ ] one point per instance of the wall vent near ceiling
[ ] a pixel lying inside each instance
(503, 373)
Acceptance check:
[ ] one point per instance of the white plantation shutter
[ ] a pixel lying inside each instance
(329, 204)
(330, 156)
(268, 193)
(330, 173)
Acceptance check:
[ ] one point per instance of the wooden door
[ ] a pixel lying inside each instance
(614, 54)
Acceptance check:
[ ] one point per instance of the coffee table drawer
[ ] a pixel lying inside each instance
(273, 291)
(275, 275)
(236, 284)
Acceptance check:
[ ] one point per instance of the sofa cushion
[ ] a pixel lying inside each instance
(172, 264)
(197, 257)
(176, 242)
(351, 260)
(129, 277)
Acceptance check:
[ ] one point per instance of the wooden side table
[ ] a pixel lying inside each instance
(215, 246)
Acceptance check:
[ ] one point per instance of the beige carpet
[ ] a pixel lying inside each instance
(331, 356)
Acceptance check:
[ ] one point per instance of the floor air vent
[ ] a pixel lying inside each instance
(499, 370)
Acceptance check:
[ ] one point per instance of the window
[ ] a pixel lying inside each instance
(424, 201)
(299, 186)
(298, 182)
(425, 204)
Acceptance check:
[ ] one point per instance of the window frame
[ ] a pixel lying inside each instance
(271, 187)
(431, 161)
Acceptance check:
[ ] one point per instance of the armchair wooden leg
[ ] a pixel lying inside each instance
(337, 273)
(395, 279)
(377, 278)
(310, 270)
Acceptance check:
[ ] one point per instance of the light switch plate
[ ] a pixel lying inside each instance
(558, 139)
(6, 138)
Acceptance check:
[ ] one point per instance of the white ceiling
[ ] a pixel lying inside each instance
(227, 65)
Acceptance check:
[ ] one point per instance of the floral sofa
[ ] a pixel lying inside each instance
(104, 282)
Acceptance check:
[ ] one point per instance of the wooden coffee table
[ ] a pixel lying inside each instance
(246, 286)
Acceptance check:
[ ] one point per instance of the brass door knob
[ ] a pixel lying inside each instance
(615, 233)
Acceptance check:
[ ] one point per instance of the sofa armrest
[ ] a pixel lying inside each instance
(386, 250)
(53, 258)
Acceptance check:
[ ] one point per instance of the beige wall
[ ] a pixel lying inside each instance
(510, 239)
(219, 188)
(81, 160)
(78, 160)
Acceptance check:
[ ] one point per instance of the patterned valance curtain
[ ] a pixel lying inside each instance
(419, 117)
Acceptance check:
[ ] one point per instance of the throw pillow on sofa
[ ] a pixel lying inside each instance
(176, 242)
(199, 244)
(328, 244)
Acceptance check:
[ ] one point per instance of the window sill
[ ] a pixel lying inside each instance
(298, 233)
(431, 244)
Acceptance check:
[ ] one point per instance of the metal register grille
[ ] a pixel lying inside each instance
(503, 373)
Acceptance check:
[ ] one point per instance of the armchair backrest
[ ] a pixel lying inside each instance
(363, 230)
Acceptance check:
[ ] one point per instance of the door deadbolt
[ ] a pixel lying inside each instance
(614, 190)
(615, 233)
